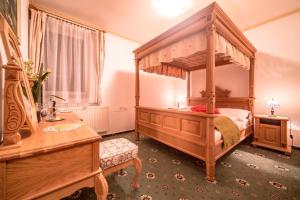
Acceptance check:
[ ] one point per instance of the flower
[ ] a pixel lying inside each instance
(150, 175)
(242, 182)
(146, 197)
(152, 160)
(179, 177)
(253, 166)
(260, 155)
(225, 164)
(154, 150)
(164, 187)
(278, 185)
(281, 168)
(38, 79)
(28, 67)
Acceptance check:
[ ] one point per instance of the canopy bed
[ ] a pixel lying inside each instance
(206, 40)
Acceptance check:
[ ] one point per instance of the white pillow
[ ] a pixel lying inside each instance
(233, 118)
(235, 113)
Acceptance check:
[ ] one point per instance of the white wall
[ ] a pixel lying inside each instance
(231, 77)
(118, 82)
(277, 67)
(157, 90)
(118, 85)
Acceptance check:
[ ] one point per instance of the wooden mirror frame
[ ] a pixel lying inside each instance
(16, 110)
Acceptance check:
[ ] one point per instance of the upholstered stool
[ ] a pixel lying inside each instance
(117, 154)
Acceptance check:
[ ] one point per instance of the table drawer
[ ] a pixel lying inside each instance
(28, 176)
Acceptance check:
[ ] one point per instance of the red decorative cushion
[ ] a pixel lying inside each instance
(202, 108)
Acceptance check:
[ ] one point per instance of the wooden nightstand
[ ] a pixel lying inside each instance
(271, 132)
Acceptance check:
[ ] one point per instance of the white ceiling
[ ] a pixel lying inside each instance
(137, 20)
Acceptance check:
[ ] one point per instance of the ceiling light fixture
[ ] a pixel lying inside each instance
(171, 8)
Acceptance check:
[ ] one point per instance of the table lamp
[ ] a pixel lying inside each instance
(181, 102)
(272, 104)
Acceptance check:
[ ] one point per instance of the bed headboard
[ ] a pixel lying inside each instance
(220, 92)
(223, 100)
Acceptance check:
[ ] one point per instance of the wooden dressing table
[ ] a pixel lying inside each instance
(37, 164)
(52, 165)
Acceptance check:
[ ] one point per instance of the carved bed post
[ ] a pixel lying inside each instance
(137, 97)
(14, 112)
(251, 88)
(210, 88)
(188, 87)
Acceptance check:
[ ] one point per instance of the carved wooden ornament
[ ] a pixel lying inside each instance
(14, 112)
(219, 92)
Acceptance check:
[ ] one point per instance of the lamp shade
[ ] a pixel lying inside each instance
(272, 104)
(181, 102)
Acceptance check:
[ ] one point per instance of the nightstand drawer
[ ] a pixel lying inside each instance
(269, 134)
(270, 121)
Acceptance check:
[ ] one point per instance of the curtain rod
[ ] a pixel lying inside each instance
(66, 19)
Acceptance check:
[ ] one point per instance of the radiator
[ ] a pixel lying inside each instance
(95, 117)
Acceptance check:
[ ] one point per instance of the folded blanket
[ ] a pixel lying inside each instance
(228, 129)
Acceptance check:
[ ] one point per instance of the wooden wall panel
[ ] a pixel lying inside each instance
(156, 119)
(190, 126)
(171, 122)
(144, 116)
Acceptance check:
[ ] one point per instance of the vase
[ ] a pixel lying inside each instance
(38, 111)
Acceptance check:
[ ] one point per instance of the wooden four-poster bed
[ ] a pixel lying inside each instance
(204, 41)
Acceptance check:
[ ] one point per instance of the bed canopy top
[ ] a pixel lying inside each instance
(184, 47)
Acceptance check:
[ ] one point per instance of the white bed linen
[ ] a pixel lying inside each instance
(242, 125)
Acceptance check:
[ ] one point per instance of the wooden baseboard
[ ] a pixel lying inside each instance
(112, 134)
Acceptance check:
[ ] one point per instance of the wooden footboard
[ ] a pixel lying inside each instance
(185, 131)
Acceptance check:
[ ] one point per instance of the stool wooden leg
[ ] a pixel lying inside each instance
(138, 169)
(101, 187)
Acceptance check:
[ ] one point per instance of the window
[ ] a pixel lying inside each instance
(73, 55)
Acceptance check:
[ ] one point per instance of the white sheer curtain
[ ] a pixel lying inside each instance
(71, 54)
(36, 36)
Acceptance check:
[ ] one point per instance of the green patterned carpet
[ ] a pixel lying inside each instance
(244, 173)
